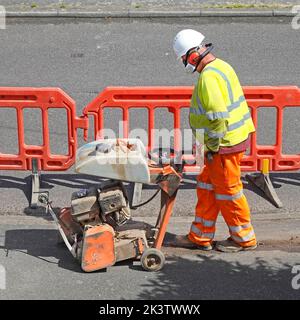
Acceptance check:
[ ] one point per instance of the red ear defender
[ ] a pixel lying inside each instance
(193, 58)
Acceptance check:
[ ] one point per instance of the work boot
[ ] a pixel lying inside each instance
(183, 241)
(231, 246)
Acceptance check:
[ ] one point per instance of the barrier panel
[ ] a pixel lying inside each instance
(178, 98)
(279, 98)
(150, 98)
(39, 157)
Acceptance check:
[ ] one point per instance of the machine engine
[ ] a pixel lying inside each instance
(106, 203)
(91, 222)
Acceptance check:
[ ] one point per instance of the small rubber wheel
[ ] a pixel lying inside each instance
(152, 259)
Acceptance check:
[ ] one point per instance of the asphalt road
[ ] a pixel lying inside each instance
(84, 56)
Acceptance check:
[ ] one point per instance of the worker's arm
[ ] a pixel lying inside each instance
(215, 133)
(216, 110)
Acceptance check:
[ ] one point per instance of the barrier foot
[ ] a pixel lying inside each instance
(136, 193)
(35, 184)
(263, 182)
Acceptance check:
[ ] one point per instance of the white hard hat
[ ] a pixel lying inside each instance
(185, 40)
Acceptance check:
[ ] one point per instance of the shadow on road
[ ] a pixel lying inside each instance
(213, 278)
(282, 178)
(47, 243)
(48, 182)
(76, 181)
(42, 244)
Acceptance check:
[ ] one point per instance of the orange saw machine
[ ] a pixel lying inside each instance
(97, 228)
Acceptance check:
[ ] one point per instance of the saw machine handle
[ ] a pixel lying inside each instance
(44, 199)
(163, 156)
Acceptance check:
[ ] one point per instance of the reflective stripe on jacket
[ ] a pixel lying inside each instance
(219, 107)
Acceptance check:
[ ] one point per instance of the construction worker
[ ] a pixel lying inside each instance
(218, 107)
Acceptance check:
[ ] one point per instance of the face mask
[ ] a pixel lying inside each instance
(189, 68)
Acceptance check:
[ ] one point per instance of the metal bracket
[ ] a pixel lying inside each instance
(35, 184)
(263, 182)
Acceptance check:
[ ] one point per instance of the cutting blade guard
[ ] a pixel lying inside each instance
(118, 159)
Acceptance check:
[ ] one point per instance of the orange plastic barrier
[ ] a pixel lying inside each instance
(176, 98)
(150, 98)
(279, 98)
(43, 99)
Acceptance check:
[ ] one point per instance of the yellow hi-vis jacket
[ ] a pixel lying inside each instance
(218, 106)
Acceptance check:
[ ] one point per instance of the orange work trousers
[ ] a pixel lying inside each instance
(220, 189)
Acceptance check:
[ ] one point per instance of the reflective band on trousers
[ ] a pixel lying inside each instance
(206, 186)
(237, 229)
(246, 238)
(204, 222)
(229, 197)
(209, 235)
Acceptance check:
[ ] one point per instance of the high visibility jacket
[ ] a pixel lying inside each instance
(218, 106)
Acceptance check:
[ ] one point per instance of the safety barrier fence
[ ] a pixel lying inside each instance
(42, 100)
(178, 98)
(125, 98)
(39, 157)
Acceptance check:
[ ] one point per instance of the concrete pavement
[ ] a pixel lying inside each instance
(142, 8)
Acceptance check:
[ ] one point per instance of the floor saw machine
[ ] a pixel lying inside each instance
(97, 228)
